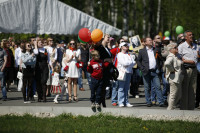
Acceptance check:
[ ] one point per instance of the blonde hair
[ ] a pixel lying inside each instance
(171, 46)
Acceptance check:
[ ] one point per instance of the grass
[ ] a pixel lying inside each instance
(67, 123)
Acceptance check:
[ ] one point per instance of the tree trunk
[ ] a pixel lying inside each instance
(158, 16)
(144, 19)
(125, 18)
(92, 8)
(135, 17)
(115, 14)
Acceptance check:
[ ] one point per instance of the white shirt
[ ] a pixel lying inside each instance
(125, 61)
(152, 60)
(50, 51)
(18, 52)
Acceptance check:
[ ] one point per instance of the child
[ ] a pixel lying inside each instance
(95, 67)
(55, 88)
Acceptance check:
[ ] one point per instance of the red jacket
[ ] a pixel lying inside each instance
(96, 68)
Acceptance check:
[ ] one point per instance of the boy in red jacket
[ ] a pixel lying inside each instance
(95, 67)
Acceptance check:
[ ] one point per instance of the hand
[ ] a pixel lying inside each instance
(88, 63)
(74, 54)
(33, 54)
(2, 69)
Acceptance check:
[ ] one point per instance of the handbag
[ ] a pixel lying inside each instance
(66, 68)
(122, 74)
(79, 64)
(20, 83)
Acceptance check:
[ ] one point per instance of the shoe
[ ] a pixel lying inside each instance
(75, 99)
(114, 104)
(93, 105)
(98, 106)
(129, 105)
(81, 89)
(70, 99)
(35, 96)
(162, 105)
(55, 101)
(121, 105)
(28, 101)
(4, 99)
(137, 96)
(149, 105)
(153, 103)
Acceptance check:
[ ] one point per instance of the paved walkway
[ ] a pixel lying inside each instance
(15, 104)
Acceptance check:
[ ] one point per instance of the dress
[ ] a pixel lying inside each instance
(55, 88)
(73, 71)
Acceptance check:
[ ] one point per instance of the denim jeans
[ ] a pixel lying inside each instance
(96, 86)
(3, 85)
(153, 93)
(124, 87)
(166, 87)
(152, 79)
(115, 87)
(80, 80)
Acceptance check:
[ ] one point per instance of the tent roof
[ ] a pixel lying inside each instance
(47, 17)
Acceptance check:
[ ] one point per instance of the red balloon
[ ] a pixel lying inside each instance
(84, 34)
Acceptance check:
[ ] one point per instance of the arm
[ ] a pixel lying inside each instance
(139, 60)
(25, 58)
(4, 64)
(89, 68)
(123, 61)
(169, 64)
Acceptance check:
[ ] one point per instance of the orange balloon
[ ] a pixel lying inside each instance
(96, 35)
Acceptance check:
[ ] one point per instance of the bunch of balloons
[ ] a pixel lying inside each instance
(84, 35)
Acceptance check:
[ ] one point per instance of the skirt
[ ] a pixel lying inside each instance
(55, 89)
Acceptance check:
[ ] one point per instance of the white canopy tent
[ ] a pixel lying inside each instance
(47, 17)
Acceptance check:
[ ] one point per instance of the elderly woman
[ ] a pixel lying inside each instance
(174, 75)
(126, 63)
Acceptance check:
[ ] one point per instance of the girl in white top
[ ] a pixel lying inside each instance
(55, 88)
(125, 62)
(72, 57)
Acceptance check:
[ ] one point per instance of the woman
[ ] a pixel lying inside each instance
(174, 75)
(9, 69)
(106, 56)
(28, 61)
(41, 69)
(72, 57)
(126, 63)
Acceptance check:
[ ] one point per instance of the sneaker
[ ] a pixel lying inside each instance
(121, 105)
(81, 89)
(137, 96)
(153, 103)
(55, 101)
(149, 105)
(129, 105)
(114, 104)
(98, 106)
(93, 105)
(28, 101)
(35, 96)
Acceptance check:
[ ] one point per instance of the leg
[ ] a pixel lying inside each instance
(98, 91)
(147, 87)
(24, 88)
(198, 91)
(3, 86)
(80, 79)
(156, 83)
(93, 86)
(75, 80)
(115, 92)
(127, 87)
(121, 94)
(192, 89)
(70, 89)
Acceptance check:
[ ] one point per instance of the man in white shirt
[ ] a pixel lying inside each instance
(147, 63)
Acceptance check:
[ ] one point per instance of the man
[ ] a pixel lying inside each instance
(149, 66)
(162, 51)
(180, 39)
(3, 61)
(188, 53)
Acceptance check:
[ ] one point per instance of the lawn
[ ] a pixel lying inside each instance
(67, 123)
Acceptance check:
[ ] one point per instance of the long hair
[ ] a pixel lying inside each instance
(24, 48)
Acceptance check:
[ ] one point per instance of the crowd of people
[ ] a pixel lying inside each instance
(169, 70)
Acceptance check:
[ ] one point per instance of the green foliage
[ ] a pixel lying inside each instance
(96, 123)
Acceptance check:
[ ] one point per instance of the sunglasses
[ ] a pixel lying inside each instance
(72, 43)
(126, 45)
(157, 38)
(28, 45)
